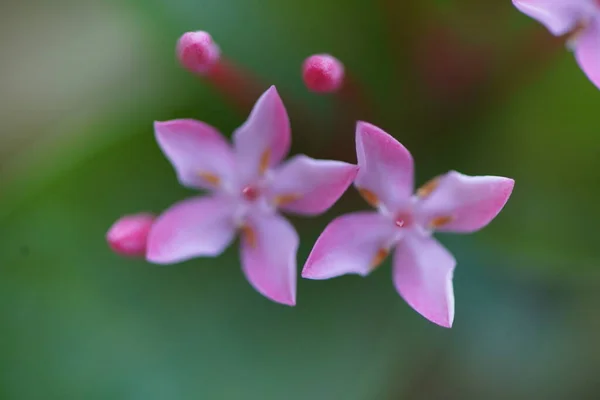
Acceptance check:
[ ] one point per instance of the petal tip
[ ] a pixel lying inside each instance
(509, 185)
(313, 272)
(349, 172)
(159, 124)
(445, 321)
(286, 299)
(157, 257)
(306, 273)
(346, 167)
(160, 127)
(362, 126)
(448, 319)
(266, 128)
(291, 302)
(186, 122)
(367, 130)
(506, 186)
(154, 257)
(352, 173)
(444, 324)
(310, 273)
(272, 92)
(153, 253)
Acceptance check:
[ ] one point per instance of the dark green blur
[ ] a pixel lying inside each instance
(466, 85)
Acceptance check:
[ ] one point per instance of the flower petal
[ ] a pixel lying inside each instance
(350, 244)
(304, 185)
(422, 274)
(264, 139)
(587, 52)
(201, 156)
(558, 16)
(385, 168)
(200, 226)
(464, 204)
(268, 253)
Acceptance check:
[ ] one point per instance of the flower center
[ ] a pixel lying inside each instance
(250, 193)
(404, 220)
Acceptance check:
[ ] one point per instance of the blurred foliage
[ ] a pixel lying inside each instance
(78, 322)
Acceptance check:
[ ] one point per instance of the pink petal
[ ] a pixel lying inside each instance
(264, 139)
(558, 16)
(201, 156)
(587, 52)
(128, 236)
(269, 257)
(469, 202)
(385, 166)
(349, 245)
(307, 186)
(422, 275)
(200, 226)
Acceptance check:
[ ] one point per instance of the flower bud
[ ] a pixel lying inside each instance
(323, 73)
(197, 52)
(128, 236)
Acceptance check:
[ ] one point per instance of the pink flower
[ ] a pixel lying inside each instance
(248, 185)
(581, 17)
(128, 236)
(357, 243)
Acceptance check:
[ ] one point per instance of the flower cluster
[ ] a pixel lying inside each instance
(249, 184)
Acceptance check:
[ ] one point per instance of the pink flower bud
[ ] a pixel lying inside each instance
(323, 73)
(128, 236)
(197, 52)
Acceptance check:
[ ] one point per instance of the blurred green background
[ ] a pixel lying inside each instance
(466, 85)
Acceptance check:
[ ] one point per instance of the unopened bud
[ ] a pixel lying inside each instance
(323, 73)
(128, 236)
(197, 51)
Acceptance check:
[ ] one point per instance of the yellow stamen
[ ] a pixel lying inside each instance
(248, 235)
(438, 222)
(369, 197)
(264, 161)
(428, 188)
(379, 258)
(284, 199)
(210, 178)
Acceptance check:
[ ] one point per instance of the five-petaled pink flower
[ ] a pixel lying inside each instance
(248, 185)
(581, 17)
(356, 243)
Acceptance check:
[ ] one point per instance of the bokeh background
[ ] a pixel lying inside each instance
(467, 84)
